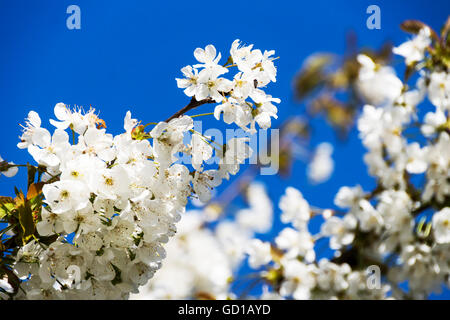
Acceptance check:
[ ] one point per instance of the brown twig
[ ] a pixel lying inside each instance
(192, 105)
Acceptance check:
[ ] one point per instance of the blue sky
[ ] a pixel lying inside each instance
(127, 54)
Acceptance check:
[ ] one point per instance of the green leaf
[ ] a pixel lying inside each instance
(18, 192)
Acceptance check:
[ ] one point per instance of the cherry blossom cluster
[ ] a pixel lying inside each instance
(110, 203)
(204, 81)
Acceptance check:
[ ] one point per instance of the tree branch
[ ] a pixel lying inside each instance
(192, 105)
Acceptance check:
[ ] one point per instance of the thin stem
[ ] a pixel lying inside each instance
(20, 165)
(202, 114)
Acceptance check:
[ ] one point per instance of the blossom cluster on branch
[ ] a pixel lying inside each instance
(255, 71)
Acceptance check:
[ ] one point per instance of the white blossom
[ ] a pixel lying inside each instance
(414, 50)
(295, 208)
(441, 226)
(378, 85)
(439, 90)
(340, 231)
(259, 253)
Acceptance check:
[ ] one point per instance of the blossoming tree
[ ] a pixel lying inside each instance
(100, 209)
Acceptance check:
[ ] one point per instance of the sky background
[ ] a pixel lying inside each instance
(128, 53)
